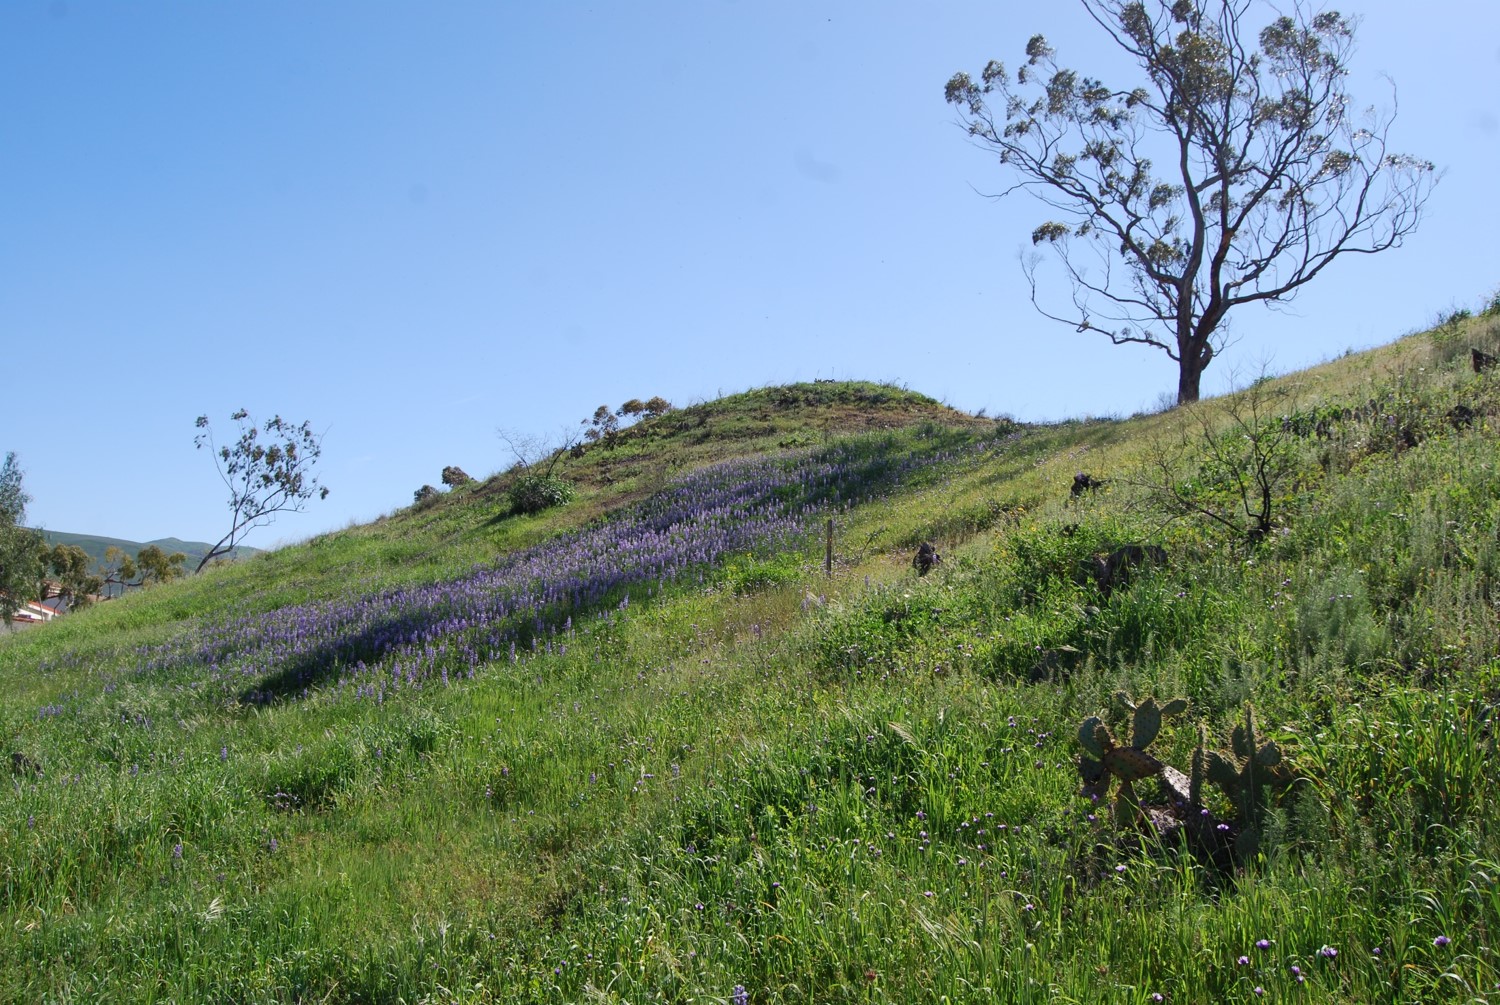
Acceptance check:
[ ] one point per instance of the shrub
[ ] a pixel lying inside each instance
(534, 493)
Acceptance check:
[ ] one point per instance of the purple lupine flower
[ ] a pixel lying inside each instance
(413, 633)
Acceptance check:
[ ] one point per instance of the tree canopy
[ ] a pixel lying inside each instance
(65, 570)
(1267, 173)
(19, 546)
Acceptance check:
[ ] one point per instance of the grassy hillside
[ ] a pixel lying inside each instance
(642, 748)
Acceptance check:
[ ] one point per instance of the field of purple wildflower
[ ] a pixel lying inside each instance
(364, 645)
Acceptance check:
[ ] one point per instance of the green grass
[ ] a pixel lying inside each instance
(850, 788)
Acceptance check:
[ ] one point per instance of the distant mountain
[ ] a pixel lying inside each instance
(94, 546)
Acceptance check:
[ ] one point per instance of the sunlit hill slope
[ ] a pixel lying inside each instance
(654, 745)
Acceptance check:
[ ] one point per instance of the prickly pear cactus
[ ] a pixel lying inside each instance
(1105, 759)
(1249, 775)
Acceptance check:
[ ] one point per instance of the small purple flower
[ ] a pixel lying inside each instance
(177, 851)
(1262, 943)
(1441, 941)
(1158, 997)
(1259, 990)
(927, 893)
(1243, 961)
(271, 844)
(1328, 952)
(1120, 868)
(1296, 971)
(740, 995)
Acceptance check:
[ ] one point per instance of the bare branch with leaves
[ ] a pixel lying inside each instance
(1268, 174)
(268, 471)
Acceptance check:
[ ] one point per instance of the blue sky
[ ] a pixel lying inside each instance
(413, 223)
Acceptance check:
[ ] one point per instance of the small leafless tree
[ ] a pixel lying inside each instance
(1233, 464)
(531, 450)
(1267, 174)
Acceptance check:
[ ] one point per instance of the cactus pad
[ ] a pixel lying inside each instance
(1130, 765)
(1145, 724)
(1088, 735)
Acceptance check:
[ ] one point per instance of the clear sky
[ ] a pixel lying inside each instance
(412, 223)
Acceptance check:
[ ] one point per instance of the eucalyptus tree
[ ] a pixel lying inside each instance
(268, 470)
(1234, 172)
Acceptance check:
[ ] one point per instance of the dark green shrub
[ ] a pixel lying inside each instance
(534, 493)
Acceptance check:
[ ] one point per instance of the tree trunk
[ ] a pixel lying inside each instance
(1189, 374)
(1193, 358)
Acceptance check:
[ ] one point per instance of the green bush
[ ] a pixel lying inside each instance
(746, 574)
(1043, 560)
(534, 493)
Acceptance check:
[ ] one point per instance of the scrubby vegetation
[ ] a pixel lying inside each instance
(534, 493)
(642, 747)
